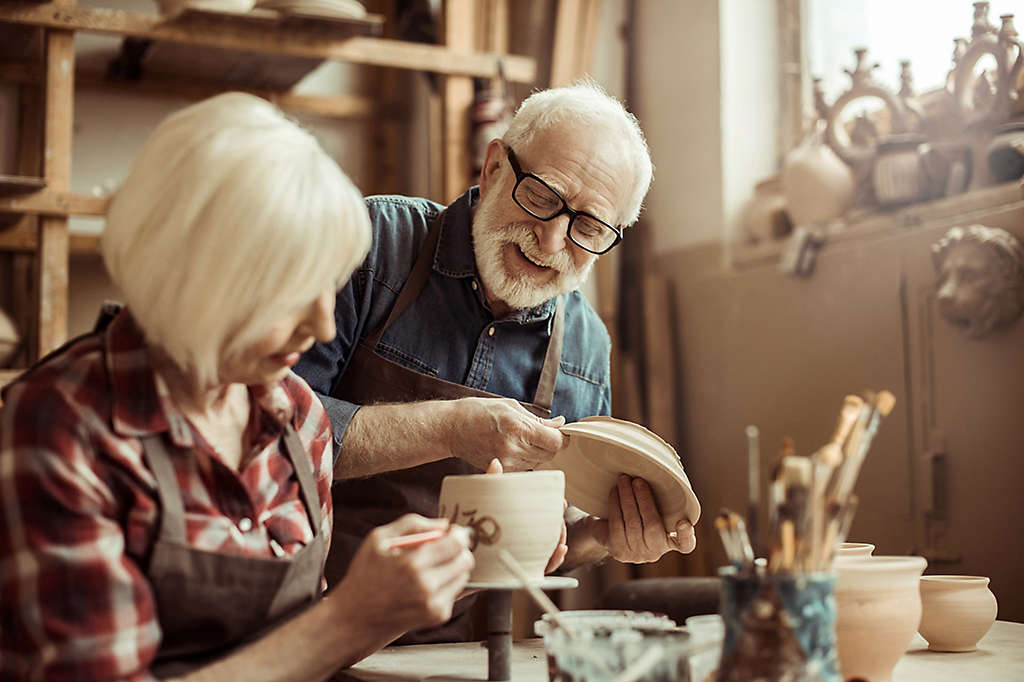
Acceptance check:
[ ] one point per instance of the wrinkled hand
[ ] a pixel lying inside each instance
(635, 532)
(486, 428)
(562, 548)
(397, 590)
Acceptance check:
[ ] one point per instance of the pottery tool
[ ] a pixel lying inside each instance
(413, 539)
(825, 462)
(871, 413)
(796, 481)
(753, 481)
(539, 597)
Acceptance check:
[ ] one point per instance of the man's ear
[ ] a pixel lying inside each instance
(492, 163)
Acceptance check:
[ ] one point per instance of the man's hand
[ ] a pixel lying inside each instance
(484, 428)
(635, 533)
(558, 556)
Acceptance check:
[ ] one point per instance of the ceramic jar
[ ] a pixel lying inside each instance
(878, 608)
(817, 184)
(764, 215)
(956, 611)
(851, 549)
(520, 512)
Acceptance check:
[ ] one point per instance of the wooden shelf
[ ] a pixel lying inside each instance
(54, 203)
(284, 40)
(20, 184)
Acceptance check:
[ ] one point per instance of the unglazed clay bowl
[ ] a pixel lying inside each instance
(878, 609)
(601, 448)
(849, 549)
(956, 611)
(520, 512)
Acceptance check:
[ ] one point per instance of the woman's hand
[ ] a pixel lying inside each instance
(394, 591)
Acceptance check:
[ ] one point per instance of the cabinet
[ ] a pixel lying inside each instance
(943, 476)
(38, 58)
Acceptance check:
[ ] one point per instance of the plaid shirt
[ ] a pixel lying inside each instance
(79, 510)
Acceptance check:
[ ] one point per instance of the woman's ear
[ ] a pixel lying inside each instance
(492, 163)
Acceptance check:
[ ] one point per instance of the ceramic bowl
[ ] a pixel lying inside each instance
(878, 609)
(600, 448)
(849, 549)
(956, 611)
(520, 512)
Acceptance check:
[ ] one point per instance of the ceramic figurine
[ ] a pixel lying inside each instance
(520, 512)
(981, 278)
(956, 611)
(985, 97)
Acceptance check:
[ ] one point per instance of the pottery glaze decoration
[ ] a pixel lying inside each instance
(520, 512)
(601, 448)
(956, 611)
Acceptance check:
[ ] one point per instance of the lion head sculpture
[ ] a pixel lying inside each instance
(981, 277)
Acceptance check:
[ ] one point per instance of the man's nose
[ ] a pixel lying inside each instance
(552, 234)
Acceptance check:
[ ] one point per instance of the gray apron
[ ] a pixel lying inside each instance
(208, 602)
(362, 504)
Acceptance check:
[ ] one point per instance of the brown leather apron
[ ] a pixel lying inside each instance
(208, 602)
(363, 504)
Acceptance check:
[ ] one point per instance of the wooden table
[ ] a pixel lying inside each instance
(999, 658)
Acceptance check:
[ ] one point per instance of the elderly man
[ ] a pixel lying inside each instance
(464, 331)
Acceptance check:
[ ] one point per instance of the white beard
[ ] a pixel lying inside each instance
(518, 291)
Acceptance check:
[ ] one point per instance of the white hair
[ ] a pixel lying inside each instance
(586, 104)
(231, 217)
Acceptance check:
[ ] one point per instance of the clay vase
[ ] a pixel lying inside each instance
(850, 549)
(956, 611)
(817, 184)
(878, 608)
(520, 512)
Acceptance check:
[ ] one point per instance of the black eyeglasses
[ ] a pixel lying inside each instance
(540, 200)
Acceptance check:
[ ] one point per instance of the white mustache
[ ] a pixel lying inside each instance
(524, 238)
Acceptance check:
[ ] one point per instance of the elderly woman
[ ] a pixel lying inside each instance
(165, 481)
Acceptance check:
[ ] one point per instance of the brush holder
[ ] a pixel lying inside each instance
(778, 627)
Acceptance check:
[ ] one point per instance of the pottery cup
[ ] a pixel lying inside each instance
(520, 512)
(848, 549)
(956, 611)
(878, 609)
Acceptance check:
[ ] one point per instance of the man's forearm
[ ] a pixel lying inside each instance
(395, 436)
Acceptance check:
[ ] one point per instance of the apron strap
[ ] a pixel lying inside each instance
(549, 372)
(304, 473)
(172, 518)
(418, 276)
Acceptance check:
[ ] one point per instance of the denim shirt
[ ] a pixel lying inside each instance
(446, 332)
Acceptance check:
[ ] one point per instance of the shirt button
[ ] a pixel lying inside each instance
(490, 332)
(245, 525)
(474, 285)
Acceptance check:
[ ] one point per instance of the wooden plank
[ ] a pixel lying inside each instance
(20, 184)
(358, 49)
(52, 253)
(51, 202)
(457, 99)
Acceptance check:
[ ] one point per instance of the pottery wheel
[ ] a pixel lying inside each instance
(499, 620)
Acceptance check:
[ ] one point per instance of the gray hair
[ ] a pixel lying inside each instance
(585, 103)
(231, 216)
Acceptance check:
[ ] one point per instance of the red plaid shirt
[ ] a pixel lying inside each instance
(79, 509)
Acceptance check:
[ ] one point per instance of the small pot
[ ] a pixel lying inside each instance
(956, 611)
(852, 549)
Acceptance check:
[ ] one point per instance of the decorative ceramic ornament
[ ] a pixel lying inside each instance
(520, 512)
(878, 609)
(601, 448)
(986, 96)
(981, 278)
(956, 611)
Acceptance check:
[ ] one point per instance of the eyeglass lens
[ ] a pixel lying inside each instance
(544, 203)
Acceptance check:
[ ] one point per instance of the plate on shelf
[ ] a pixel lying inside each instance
(600, 448)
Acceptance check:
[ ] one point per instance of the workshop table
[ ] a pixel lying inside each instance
(999, 658)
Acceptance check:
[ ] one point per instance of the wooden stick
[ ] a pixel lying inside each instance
(542, 599)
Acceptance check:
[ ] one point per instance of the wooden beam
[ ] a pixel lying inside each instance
(52, 252)
(25, 238)
(457, 100)
(572, 55)
(51, 202)
(277, 40)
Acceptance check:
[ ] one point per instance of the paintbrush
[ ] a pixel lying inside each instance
(732, 549)
(739, 530)
(753, 484)
(871, 414)
(826, 461)
(413, 539)
(796, 480)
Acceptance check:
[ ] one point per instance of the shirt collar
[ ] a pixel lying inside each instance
(140, 401)
(455, 258)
